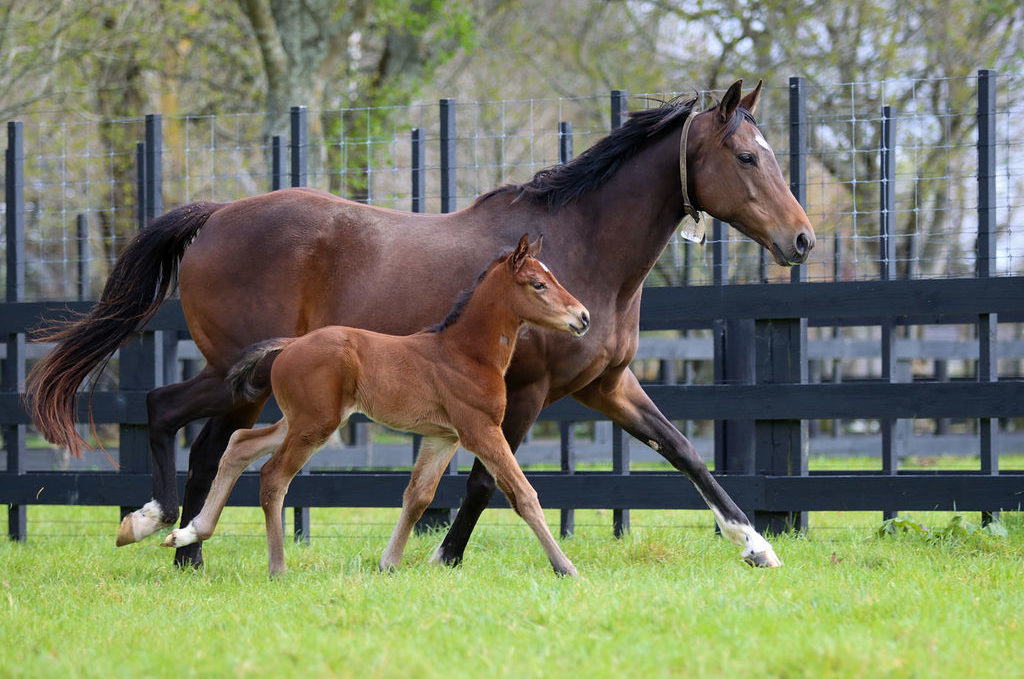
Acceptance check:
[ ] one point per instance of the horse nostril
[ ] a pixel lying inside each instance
(803, 244)
(585, 320)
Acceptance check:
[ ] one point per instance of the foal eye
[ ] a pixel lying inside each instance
(747, 159)
(537, 285)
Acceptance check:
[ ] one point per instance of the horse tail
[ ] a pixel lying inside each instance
(249, 378)
(137, 286)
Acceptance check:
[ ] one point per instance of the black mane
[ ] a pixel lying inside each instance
(559, 185)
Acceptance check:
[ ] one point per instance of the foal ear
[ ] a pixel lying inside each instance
(750, 101)
(729, 102)
(535, 245)
(521, 252)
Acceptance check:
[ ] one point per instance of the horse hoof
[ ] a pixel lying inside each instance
(765, 559)
(565, 571)
(439, 558)
(140, 524)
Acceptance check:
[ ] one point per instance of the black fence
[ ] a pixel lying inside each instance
(762, 399)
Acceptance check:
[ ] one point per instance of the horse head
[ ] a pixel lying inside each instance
(734, 176)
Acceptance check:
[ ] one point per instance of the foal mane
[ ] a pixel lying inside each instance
(559, 185)
(463, 298)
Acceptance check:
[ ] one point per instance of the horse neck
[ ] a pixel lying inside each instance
(629, 219)
(487, 328)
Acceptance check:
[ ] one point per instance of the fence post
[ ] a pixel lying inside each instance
(13, 376)
(988, 324)
(567, 443)
(419, 171)
(886, 272)
(435, 517)
(448, 183)
(781, 348)
(277, 163)
(140, 365)
(567, 454)
(299, 144)
(84, 256)
(299, 132)
(620, 441)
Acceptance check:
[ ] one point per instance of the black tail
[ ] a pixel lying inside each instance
(249, 377)
(138, 284)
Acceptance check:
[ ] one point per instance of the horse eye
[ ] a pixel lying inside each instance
(537, 285)
(747, 159)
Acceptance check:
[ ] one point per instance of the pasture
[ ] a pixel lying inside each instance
(669, 599)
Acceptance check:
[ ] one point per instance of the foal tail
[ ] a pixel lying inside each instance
(138, 284)
(249, 378)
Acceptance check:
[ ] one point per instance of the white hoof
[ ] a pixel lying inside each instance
(140, 524)
(765, 559)
(179, 537)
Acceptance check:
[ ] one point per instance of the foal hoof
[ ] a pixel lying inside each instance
(765, 559)
(179, 537)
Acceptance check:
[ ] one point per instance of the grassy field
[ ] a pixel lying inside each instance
(668, 600)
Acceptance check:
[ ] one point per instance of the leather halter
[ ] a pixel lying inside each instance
(695, 231)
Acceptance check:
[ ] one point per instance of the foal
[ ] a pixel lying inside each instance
(445, 383)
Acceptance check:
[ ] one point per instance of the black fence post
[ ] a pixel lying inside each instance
(567, 454)
(448, 182)
(781, 348)
(419, 171)
(13, 376)
(299, 131)
(620, 440)
(435, 517)
(277, 163)
(567, 443)
(299, 145)
(84, 256)
(988, 324)
(140, 364)
(886, 272)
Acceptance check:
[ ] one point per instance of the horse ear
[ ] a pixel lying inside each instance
(729, 102)
(535, 245)
(521, 252)
(750, 101)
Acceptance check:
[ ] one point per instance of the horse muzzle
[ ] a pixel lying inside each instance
(580, 323)
(797, 251)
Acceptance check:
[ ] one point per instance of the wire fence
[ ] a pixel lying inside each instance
(81, 177)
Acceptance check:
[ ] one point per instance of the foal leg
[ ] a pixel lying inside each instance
(521, 410)
(246, 446)
(492, 449)
(619, 395)
(276, 475)
(202, 467)
(435, 454)
(169, 409)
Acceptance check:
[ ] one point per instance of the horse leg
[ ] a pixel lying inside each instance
(521, 410)
(202, 468)
(298, 446)
(491, 448)
(170, 408)
(246, 446)
(620, 396)
(435, 454)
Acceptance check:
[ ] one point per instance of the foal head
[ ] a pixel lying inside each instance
(536, 296)
(737, 179)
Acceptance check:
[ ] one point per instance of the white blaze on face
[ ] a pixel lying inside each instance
(544, 266)
(761, 141)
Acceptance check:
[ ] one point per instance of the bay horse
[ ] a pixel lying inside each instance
(288, 262)
(446, 383)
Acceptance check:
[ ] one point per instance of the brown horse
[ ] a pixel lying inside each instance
(446, 383)
(289, 262)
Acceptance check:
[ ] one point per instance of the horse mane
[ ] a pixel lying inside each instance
(559, 185)
(463, 298)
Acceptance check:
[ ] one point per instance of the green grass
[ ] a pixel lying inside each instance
(669, 600)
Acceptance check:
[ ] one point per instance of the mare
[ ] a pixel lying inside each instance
(288, 262)
(446, 383)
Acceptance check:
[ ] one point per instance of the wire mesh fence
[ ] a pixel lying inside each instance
(81, 190)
